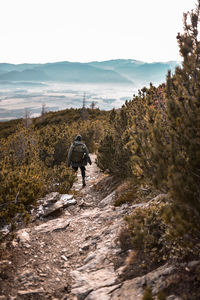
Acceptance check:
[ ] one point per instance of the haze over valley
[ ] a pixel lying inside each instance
(62, 85)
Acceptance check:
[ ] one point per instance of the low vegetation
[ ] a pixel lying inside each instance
(68, 117)
(33, 159)
(154, 139)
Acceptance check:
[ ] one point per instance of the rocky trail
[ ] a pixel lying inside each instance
(67, 255)
(69, 249)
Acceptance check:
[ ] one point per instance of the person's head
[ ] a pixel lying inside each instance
(78, 138)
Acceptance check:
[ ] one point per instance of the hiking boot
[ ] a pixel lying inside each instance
(84, 184)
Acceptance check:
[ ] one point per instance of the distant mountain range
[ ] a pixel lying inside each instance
(120, 71)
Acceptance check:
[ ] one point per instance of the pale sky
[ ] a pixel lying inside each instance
(39, 31)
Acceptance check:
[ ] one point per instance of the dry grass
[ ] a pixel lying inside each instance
(131, 192)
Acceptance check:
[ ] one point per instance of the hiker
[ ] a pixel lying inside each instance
(78, 156)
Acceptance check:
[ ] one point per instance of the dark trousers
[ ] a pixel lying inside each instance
(82, 171)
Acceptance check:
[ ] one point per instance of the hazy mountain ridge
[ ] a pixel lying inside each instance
(138, 70)
(111, 71)
(64, 71)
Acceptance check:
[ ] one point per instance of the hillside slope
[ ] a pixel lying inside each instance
(75, 254)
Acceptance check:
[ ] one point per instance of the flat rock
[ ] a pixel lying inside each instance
(50, 199)
(103, 293)
(88, 282)
(66, 197)
(108, 200)
(24, 236)
(52, 225)
(134, 288)
(127, 292)
(65, 201)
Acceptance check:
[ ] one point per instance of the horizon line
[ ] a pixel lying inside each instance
(90, 61)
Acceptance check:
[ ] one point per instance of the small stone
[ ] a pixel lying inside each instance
(67, 213)
(120, 271)
(64, 257)
(28, 273)
(5, 263)
(193, 263)
(42, 275)
(14, 243)
(64, 250)
(89, 257)
(70, 255)
(30, 292)
(66, 298)
(12, 297)
(173, 297)
(23, 236)
(5, 230)
(85, 247)
(88, 237)
(81, 204)
(94, 228)
(66, 264)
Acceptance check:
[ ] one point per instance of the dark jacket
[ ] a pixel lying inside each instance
(86, 158)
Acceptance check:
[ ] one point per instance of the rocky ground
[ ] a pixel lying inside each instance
(69, 250)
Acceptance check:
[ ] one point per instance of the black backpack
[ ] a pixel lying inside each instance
(78, 153)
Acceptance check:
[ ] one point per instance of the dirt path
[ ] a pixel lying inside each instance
(70, 256)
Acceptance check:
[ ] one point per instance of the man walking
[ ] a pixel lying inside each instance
(78, 157)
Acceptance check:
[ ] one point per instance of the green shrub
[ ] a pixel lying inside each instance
(148, 294)
(61, 178)
(162, 296)
(24, 177)
(127, 197)
(159, 239)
